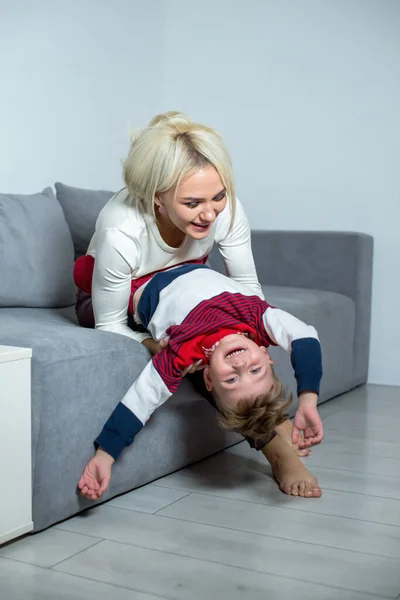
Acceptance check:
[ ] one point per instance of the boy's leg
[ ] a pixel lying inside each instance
(284, 430)
(290, 473)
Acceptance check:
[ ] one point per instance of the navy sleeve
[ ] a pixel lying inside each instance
(119, 431)
(307, 364)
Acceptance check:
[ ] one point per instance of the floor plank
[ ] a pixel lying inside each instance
(19, 581)
(253, 485)
(47, 548)
(180, 577)
(338, 532)
(148, 499)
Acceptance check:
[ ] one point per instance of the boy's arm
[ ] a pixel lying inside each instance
(157, 382)
(302, 343)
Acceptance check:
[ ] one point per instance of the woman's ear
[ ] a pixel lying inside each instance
(207, 379)
(159, 204)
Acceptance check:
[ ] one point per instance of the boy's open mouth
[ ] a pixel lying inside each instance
(235, 352)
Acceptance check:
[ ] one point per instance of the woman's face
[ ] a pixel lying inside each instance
(194, 205)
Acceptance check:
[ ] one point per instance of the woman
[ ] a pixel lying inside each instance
(178, 201)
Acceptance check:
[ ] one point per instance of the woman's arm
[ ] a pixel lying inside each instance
(235, 247)
(117, 256)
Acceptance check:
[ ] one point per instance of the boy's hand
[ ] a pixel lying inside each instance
(308, 421)
(96, 475)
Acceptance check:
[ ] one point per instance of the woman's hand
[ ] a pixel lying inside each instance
(155, 347)
(197, 366)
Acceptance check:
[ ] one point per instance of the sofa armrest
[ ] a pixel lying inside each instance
(323, 260)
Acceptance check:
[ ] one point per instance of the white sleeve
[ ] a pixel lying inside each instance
(283, 328)
(146, 394)
(302, 342)
(117, 256)
(235, 247)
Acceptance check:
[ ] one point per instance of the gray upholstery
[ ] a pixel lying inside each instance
(31, 274)
(81, 208)
(333, 316)
(79, 375)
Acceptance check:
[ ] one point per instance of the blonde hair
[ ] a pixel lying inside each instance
(258, 419)
(170, 149)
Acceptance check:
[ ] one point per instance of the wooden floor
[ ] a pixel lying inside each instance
(222, 530)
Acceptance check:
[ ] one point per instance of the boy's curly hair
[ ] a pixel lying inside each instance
(259, 419)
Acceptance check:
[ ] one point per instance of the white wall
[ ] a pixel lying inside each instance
(307, 96)
(73, 75)
(305, 92)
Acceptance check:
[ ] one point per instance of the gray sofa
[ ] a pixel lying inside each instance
(79, 375)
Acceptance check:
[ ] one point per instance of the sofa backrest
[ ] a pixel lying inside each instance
(81, 208)
(36, 252)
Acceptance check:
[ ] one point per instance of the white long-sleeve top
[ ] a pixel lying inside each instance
(127, 245)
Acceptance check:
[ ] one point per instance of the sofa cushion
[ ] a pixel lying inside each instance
(81, 208)
(333, 316)
(36, 252)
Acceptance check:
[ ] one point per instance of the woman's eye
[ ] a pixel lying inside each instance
(231, 380)
(192, 204)
(219, 198)
(256, 370)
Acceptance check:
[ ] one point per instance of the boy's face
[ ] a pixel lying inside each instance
(239, 369)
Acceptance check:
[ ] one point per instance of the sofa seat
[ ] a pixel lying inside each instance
(333, 316)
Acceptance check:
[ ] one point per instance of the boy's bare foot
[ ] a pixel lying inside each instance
(284, 430)
(290, 473)
(96, 475)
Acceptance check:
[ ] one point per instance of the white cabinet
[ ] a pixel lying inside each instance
(15, 443)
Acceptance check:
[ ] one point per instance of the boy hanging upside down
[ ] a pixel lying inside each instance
(212, 319)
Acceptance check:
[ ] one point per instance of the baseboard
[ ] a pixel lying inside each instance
(14, 533)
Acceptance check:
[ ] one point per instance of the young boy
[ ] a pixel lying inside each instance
(212, 319)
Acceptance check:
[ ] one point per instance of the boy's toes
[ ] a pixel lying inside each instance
(303, 453)
(295, 489)
(302, 488)
(316, 492)
(308, 491)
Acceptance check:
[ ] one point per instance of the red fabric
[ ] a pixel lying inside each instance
(195, 349)
(83, 275)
